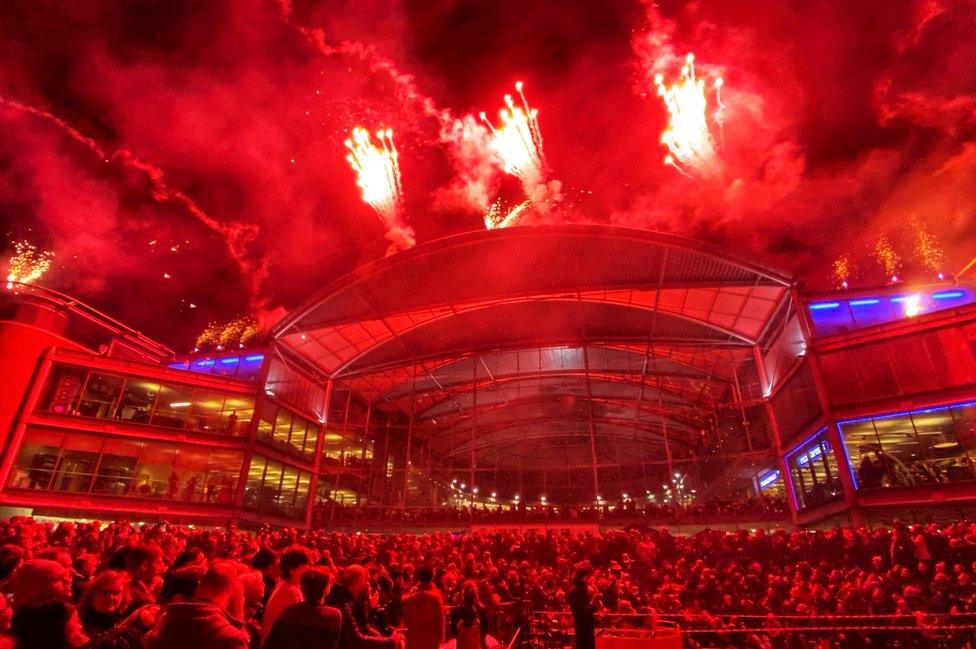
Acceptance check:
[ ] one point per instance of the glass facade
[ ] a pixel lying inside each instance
(814, 472)
(277, 488)
(94, 464)
(284, 430)
(927, 446)
(136, 400)
(246, 368)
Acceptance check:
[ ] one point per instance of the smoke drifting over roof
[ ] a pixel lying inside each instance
(204, 141)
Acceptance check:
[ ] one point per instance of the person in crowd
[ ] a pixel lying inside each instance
(53, 624)
(105, 602)
(293, 563)
(265, 561)
(469, 620)
(145, 565)
(38, 581)
(583, 605)
(308, 623)
(344, 595)
(423, 613)
(211, 620)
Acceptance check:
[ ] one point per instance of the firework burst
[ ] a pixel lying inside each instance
(377, 168)
(498, 217)
(887, 257)
(842, 270)
(517, 140)
(691, 146)
(927, 250)
(28, 264)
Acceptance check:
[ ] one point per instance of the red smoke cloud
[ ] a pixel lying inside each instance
(224, 125)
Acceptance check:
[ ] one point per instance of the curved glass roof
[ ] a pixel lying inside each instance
(582, 331)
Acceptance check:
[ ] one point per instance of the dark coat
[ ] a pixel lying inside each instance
(197, 625)
(583, 607)
(352, 636)
(306, 625)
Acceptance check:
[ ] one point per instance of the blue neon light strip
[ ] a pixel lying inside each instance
(232, 359)
(805, 442)
(947, 295)
(865, 302)
(768, 479)
(254, 358)
(820, 306)
(901, 298)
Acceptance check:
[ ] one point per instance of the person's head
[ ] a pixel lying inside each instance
(189, 558)
(469, 594)
(314, 584)
(355, 579)
(266, 561)
(48, 625)
(252, 583)
(145, 563)
(293, 563)
(582, 576)
(220, 586)
(107, 593)
(40, 580)
(11, 556)
(425, 574)
(181, 585)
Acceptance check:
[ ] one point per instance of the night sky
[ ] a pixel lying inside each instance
(204, 140)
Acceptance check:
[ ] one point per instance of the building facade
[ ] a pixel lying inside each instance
(853, 405)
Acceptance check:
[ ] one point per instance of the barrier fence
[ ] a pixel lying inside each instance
(554, 629)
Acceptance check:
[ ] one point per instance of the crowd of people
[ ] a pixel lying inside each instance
(161, 586)
(629, 511)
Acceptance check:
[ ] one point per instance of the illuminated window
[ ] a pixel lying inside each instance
(813, 470)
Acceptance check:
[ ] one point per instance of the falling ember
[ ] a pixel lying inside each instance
(927, 249)
(688, 137)
(497, 217)
(887, 258)
(224, 335)
(842, 269)
(28, 264)
(518, 140)
(377, 170)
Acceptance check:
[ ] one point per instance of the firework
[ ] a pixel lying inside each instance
(518, 141)
(498, 217)
(913, 305)
(887, 258)
(842, 269)
(28, 264)
(377, 170)
(226, 335)
(688, 137)
(927, 249)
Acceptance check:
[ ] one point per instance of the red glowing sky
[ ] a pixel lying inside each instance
(845, 120)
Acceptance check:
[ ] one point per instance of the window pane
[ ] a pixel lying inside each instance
(311, 437)
(64, 388)
(117, 470)
(172, 406)
(267, 412)
(76, 468)
(204, 413)
(282, 428)
(101, 395)
(255, 480)
(222, 472)
(942, 455)
(155, 474)
(298, 429)
(36, 460)
(237, 414)
(137, 400)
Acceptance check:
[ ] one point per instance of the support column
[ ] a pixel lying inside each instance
(784, 470)
(313, 484)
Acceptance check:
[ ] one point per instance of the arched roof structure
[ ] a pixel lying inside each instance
(544, 341)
